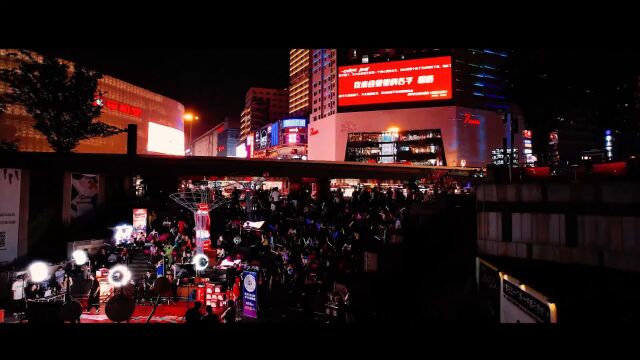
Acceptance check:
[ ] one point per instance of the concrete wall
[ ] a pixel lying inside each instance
(606, 225)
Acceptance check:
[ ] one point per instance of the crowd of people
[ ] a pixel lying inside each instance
(305, 247)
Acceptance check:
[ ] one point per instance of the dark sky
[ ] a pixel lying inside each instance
(209, 82)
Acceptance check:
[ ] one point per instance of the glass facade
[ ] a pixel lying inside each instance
(416, 147)
(123, 104)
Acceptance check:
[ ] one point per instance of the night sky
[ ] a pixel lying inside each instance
(210, 82)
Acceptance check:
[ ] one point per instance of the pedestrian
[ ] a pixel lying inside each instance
(94, 294)
(18, 289)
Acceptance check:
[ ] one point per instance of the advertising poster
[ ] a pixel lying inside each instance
(395, 81)
(9, 213)
(140, 221)
(250, 294)
(84, 194)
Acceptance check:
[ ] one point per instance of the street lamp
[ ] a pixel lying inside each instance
(189, 117)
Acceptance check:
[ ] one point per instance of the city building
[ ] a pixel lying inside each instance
(324, 80)
(478, 78)
(454, 92)
(498, 157)
(262, 106)
(159, 119)
(221, 140)
(299, 79)
(284, 139)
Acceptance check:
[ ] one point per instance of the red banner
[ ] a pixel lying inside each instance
(395, 81)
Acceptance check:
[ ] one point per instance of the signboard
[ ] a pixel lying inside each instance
(250, 294)
(469, 119)
(294, 123)
(140, 221)
(520, 306)
(120, 107)
(395, 81)
(9, 213)
(263, 139)
(488, 280)
(84, 194)
(165, 140)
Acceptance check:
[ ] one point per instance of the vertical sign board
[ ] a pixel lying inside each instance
(518, 305)
(488, 280)
(9, 213)
(250, 294)
(140, 221)
(84, 194)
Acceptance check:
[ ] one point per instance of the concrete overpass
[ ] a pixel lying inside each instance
(177, 166)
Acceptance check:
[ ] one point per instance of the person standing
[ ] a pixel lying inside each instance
(65, 286)
(275, 198)
(18, 289)
(94, 295)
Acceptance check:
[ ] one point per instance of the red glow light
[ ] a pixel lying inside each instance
(395, 81)
(470, 121)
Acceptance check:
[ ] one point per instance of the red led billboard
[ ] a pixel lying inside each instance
(395, 82)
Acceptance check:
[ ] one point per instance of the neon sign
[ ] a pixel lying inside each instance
(313, 131)
(469, 120)
(123, 108)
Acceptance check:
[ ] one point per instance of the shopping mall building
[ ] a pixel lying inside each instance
(159, 119)
(422, 108)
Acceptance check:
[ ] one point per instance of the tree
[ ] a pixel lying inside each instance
(5, 145)
(61, 102)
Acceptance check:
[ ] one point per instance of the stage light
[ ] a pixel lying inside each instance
(122, 233)
(119, 275)
(80, 257)
(38, 271)
(201, 261)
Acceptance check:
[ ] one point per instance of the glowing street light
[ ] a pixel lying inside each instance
(39, 271)
(190, 117)
(80, 257)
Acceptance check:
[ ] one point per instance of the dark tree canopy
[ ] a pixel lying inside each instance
(61, 101)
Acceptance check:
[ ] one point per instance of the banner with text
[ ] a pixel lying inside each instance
(9, 213)
(250, 294)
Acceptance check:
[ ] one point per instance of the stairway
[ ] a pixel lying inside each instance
(138, 265)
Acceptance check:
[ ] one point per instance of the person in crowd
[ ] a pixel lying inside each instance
(229, 315)
(93, 300)
(59, 275)
(53, 284)
(32, 291)
(192, 316)
(112, 259)
(66, 284)
(210, 318)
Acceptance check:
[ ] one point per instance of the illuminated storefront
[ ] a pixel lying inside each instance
(417, 147)
(466, 135)
(284, 139)
(122, 104)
